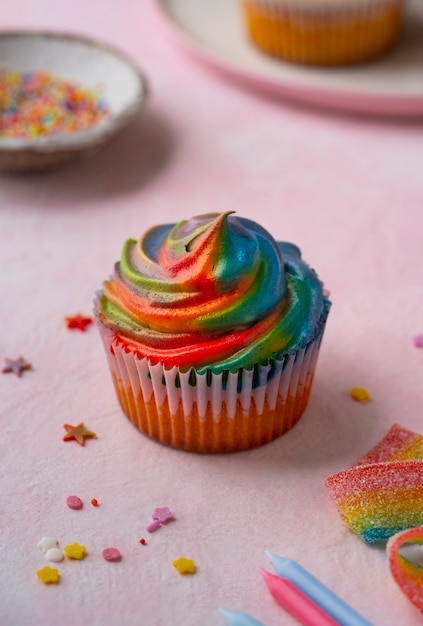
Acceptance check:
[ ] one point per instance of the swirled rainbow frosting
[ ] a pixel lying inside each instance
(215, 291)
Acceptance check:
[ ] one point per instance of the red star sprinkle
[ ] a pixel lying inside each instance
(78, 321)
(16, 366)
(80, 433)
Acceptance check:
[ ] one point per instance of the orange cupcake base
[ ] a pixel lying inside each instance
(323, 38)
(206, 434)
(208, 411)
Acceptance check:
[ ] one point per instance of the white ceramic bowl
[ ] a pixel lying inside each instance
(79, 60)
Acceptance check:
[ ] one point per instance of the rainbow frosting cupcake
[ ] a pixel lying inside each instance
(212, 331)
(323, 32)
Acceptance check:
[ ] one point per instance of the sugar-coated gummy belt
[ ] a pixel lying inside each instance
(407, 575)
(382, 494)
(399, 444)
(380, 499)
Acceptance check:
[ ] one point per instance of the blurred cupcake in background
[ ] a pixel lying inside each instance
(323, 32)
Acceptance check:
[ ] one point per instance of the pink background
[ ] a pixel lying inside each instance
(349, 192)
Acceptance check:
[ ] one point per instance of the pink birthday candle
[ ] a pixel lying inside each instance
(296, 602)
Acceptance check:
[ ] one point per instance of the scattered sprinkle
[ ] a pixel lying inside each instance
(184, 566)
(94, 502)
(16, 366)
(80, 433)
(111, 554)
(48, 575)
(74, 502)
(37, 103)
(407, 574)
(359, 394)
(74, 551)
(78, 322)
(153, 526)
(55, 555)
(143, 542)
(46, 543)
(162, 514)
(418, 341)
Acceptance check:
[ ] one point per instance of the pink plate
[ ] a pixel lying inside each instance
(212, 31)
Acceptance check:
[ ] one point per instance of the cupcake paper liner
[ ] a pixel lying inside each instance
(323, 32)
(208, 412)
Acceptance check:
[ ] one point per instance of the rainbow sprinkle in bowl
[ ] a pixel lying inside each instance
(101, 88)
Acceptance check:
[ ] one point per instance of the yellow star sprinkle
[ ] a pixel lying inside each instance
(184, 566)
(74, 551)
(48, 575)
(359, 394)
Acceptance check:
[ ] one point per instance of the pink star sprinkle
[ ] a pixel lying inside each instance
(162, 514)
(418, 341)
(16, 366)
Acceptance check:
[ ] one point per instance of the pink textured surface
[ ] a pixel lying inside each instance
(349, 192)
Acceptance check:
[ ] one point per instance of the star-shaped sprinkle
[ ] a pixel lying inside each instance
(184, 566)
(74, 551)
(16, 366)
(359, 394)
(48, 575)
(46, 543)
(418, 341)
(78, 321)
(80, 433)
(162, 514)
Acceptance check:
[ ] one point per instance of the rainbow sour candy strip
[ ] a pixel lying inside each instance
(399, 444)
(380, 499)
(407, 575)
